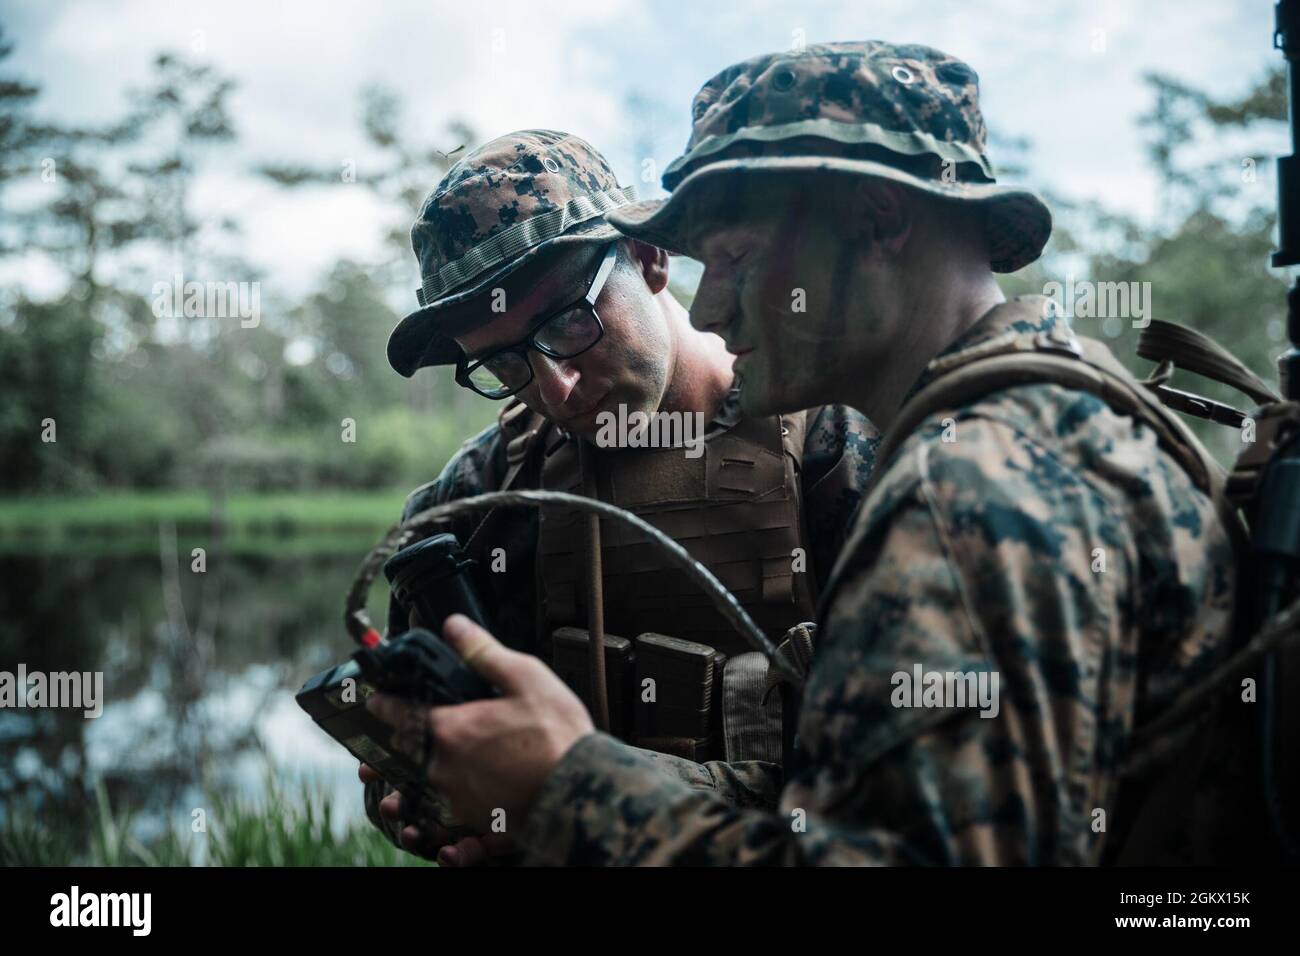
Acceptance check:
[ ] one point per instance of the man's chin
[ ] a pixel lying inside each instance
(589, 423)
(759, 401)
(586, 425)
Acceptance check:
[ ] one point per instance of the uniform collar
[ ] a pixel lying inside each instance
(1023, 316)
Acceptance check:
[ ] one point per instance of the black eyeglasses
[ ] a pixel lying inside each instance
(564, 334)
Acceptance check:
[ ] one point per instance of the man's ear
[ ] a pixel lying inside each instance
(888, 209)
(651, 261)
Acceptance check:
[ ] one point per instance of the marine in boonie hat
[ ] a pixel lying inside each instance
(905, 113)
(496, 210)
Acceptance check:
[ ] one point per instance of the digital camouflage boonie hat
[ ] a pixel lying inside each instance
(904, 113)
(494, 211)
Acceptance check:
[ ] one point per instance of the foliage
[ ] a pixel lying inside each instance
(146, 401)
(286, 512)
(282, 829)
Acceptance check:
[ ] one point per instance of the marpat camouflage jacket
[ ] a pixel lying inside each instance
(975, 555)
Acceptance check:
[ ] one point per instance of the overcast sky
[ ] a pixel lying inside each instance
(1066, 75)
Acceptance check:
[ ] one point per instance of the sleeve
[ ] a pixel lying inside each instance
(748, 783)
(893, 775)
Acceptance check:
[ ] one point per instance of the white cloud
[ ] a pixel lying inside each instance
(571, 64)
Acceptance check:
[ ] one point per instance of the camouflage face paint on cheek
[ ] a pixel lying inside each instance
(839, 302)
(809, 298)
(777, 275)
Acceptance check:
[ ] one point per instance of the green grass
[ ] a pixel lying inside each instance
(326, 509)
(281, 829)
(127, 522)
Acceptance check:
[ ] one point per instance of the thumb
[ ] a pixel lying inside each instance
(484, 653)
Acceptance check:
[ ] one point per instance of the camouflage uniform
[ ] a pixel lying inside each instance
(973, 555)
(495, 210)
(839, 453)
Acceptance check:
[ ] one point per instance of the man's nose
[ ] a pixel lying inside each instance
(714, 306)
(556, 378)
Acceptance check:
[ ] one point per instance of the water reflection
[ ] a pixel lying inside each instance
(199, 671)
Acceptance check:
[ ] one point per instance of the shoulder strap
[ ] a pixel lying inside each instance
(1194, 351)
(1074, 362)
(1067, 360)
(523, 430)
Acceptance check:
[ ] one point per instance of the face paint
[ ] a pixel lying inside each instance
(799, 303)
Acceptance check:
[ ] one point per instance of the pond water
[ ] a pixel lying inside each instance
(198, 674)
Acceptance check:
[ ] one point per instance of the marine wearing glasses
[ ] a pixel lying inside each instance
(565, 334)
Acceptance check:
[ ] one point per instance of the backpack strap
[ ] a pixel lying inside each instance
(523, 432)
(1275, 423)
(1196, 352)
(1059, 357)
